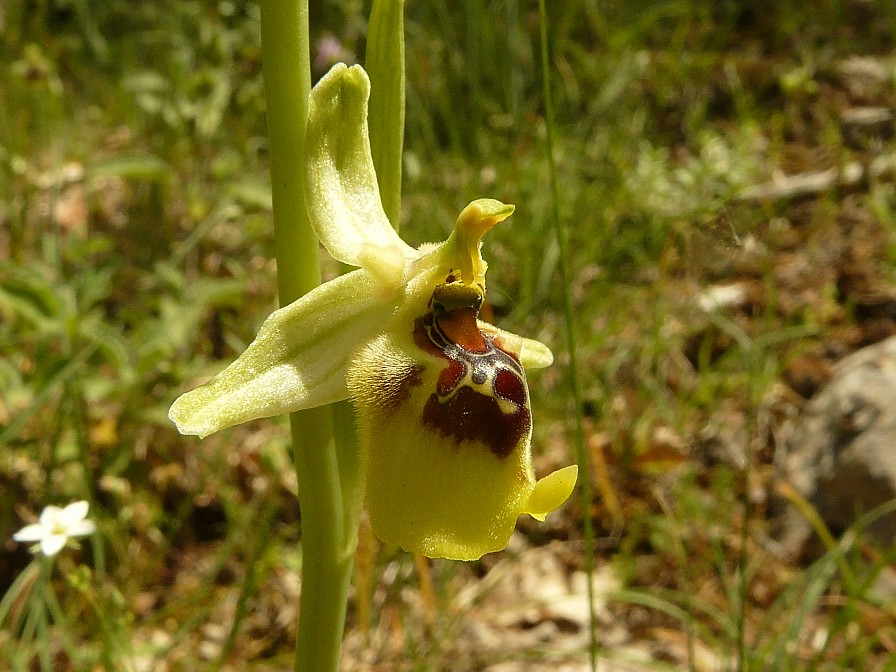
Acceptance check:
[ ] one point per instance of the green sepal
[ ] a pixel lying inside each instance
(298, 360)
(343, 199)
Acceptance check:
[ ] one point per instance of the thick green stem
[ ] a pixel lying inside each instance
(326, 566)
(330, 473)
(287, 81)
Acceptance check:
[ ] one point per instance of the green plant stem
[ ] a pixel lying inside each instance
(384, 63)
(569, 321)
(287, 81)
(326, 567)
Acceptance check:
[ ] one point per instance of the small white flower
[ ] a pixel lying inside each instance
(56, 526)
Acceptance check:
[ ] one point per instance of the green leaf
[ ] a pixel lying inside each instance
(146, 167)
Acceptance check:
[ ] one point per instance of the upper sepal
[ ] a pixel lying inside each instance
(342, 196)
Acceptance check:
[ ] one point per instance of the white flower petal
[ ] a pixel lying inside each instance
(341, 192)
(81, 528)
(34, 532)
(52, 544)
(49, 516)
(298, 360)
(73, 513)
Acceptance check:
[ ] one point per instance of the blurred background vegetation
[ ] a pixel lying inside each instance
(136, 258)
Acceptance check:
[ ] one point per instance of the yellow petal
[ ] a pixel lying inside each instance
(533, 354)
(551, 491)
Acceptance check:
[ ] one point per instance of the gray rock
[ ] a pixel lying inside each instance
(840, 453)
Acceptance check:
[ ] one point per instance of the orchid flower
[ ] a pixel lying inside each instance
(441, 397)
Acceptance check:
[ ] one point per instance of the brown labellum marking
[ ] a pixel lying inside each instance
(509, 387)
(459, 327)
(450, 377)
(391, 392)
(471, 416)
(481, 392)
(401, 389)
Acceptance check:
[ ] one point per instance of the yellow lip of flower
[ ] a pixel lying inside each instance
(441, 397)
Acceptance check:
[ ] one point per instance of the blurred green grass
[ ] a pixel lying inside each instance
(135, 259)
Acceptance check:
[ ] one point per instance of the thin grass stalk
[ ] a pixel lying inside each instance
(681, 557)
(817, 523)
(515, 81)
(249, 586)
(11, 605)
(364, 555)
(326, 568)
(63, 629)
(474, 19)
(742, 559)
(569, 321)
(44, 642)
(75, 396)
(745, 529)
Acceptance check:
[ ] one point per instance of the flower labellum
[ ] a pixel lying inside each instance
(441, 397)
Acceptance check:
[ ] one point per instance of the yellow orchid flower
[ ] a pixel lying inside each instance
(441, 397)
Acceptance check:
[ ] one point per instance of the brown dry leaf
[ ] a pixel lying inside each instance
(666, 449)
(104, 432)
(70, 210)
(532, 604)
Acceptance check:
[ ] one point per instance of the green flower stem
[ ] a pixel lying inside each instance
(287, 81)
(326, 564)
(326, 559)
(384, 63)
